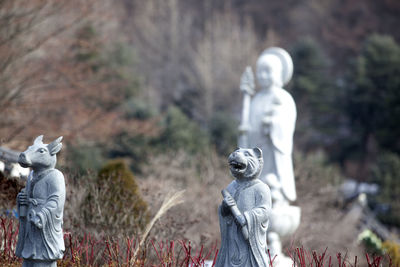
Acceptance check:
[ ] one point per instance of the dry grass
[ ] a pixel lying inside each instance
(323, 224)
(202, 178)
(170, 201)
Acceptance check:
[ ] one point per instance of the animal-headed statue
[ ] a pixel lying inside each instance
(41, 206)
(244, 213)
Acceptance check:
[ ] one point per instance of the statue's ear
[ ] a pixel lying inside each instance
(55, 146)
(38, 140)
(258, 152)
(237, 148)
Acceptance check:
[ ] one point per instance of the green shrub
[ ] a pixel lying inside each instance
(316, 96)
(114, 202)
(137, 109)
(134, 147)
(83, 157)
(179, 132)
(122, 60)
(393, 250)
(371, 241)
(223, 131)
(314, 168)
(386, 174)
(373, 100)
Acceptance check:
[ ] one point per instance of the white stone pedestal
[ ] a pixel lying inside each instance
(284, 221)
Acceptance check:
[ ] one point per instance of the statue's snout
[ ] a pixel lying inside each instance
(24, 161)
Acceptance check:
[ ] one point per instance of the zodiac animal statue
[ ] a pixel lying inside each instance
(41, 206)
(244, 213)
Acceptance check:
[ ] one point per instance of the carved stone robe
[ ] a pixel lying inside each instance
(253, 199)
(46, 194)
(277, 141)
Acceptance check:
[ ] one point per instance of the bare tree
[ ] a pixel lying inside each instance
(45, 86)
(193, 57)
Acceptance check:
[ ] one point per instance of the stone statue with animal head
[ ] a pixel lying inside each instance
(41, 206)
(244, 213)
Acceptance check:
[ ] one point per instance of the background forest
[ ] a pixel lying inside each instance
(156, 83)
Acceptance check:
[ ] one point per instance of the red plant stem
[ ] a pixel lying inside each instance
(377, 260)
(109, 252)
(118, 252)
(319, 260)
(291, 254)
(211, 250)
(92, 244)
(390, 260)
(172, 250)
(71, 248)
(189, 257)
(189, 254)
(10, 248)
(317, 263)
(3, 226)
(87, 249)
(187, 250)
(199, 259)
(339, 258)
(322, 258)
(368, 260)
(271, 261)
(215, 258)
(168, 254)
(300, 254)
(15, 238)
(309, 257)
(158, 254)
(128, 251)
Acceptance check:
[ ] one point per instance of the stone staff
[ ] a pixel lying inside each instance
(247, 87)
(235, 212)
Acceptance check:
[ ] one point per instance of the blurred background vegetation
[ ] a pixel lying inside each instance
(150, 81)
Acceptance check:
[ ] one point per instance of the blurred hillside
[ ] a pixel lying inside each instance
(99, 61)
(157, 83)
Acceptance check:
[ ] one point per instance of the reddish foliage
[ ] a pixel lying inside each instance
(88, 251)
(8, 239)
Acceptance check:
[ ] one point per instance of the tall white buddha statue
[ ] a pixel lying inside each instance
(268, 122)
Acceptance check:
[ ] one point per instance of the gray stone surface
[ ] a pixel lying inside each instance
(41, 206)
(268, 122)
(244, 213)
(351, 189)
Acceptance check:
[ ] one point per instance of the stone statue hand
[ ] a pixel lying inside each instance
(35, 219)
(229, 201)
(22, 198)
(37, 222)
(247, 81)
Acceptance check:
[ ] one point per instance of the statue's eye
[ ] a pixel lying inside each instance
(246, 153)
(42, 150)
